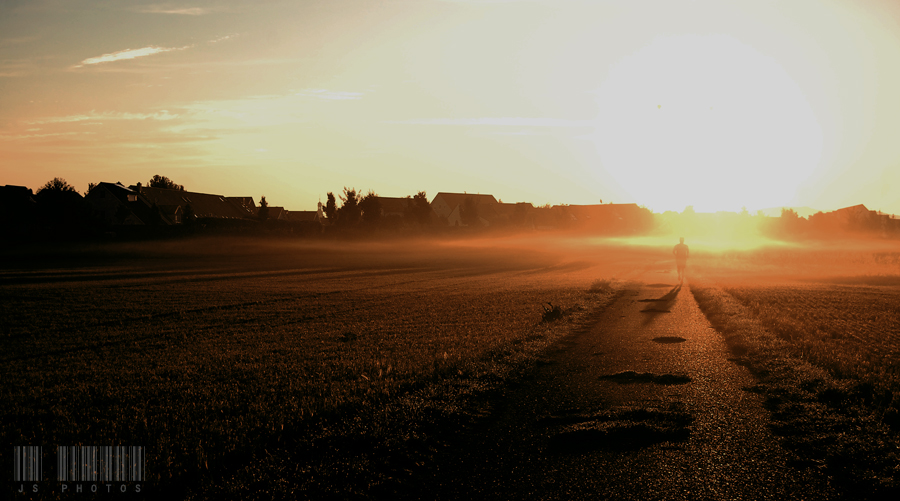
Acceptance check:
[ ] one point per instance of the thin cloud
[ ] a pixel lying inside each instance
(183, 11)
(94, 116)
(498, 121)
(329, 94)
(18, 137)
(220, 39)
(16, 67)
(128, 54)
(17, 40)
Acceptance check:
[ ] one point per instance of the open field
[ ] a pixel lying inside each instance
(853, 331)
(236, 366)
(291, 369)
(837, 308)
(820, 332)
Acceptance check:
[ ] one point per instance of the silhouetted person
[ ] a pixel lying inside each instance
(681, 255)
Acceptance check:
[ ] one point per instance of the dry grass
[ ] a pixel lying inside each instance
(837, 308)
(826, 355)
(853, 332)
(307, 373)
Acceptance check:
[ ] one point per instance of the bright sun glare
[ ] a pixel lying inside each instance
(705, 121)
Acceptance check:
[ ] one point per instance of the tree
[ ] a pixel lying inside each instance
(421, 209)
(158, 181)
(330, 207)
(263, 213)
(370, 207)
(468, 212)
(790, 224)
(348, 214)
(57, 185)
(91, 186)
(60, 207)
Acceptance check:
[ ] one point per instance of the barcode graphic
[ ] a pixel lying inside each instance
(27, 467)
(91, 463)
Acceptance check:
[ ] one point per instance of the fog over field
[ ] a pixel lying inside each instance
(343, 367)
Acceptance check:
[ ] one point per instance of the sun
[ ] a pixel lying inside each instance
(705, 121)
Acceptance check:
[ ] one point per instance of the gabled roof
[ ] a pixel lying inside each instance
(393, 205)
(276, 212)
(203, 204)
(454, 199)
(854, 208)
(137, 204)
(509, 209)
(301, 215)
(17, 206)
(246, 203)
(16, 195)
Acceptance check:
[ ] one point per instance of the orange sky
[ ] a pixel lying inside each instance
(665, 103)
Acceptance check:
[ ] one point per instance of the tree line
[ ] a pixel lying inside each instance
(367, 210)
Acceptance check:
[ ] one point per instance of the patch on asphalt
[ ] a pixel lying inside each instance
(668, 339)
(629, 377)
(619, 428)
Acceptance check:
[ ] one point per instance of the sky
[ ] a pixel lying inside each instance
(719, 105)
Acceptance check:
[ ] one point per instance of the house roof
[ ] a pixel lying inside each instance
(16, 195)
(454, 199)
(203, 204)
(246, 202)
(276, 212)
(393, 205)
(854, 208)
(139, 205)
(510, 209)
(301, 215)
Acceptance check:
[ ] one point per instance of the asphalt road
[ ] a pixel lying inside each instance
(641, 403)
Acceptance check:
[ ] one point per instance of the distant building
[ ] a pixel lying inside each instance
(202, 204)
(857, 218)
(246, 203)
(501, 214)
(394, 206)
(17, 207)
(112, 204)
(852, 214)
(613, 217)
(299, 216)
(448, 206)
(276, 213)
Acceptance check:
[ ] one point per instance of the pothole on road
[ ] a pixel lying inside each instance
(668, 339)
(630, 377)
(620, 428)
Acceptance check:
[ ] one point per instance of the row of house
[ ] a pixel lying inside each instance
(117, 205)
(450, 207)
(855, 218)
